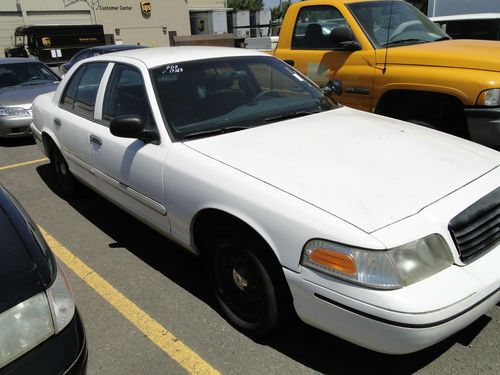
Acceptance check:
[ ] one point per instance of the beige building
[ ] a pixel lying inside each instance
(204, 5)
(152, 22)
(208, 16)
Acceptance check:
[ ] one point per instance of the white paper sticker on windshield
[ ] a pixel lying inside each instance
(172, 69)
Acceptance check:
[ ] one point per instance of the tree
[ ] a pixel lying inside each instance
(277, 13)
(246, 4)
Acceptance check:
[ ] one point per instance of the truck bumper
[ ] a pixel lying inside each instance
(484, 125)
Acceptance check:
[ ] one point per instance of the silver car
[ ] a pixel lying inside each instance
(21, 81)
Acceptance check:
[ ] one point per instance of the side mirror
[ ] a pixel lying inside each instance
(128, 126)
(334, 86)
(344, 39)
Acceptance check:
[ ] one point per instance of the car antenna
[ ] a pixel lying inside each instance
(387, 40)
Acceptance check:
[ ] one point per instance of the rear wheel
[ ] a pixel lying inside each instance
(68, 184)
(243, 280)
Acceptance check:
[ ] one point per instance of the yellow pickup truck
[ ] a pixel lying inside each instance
(390, 59)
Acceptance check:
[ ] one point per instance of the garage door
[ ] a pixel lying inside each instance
(59, 17)
(8, 23)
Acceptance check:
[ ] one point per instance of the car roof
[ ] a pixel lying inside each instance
(18, 60)
(24, 269)
(157, 56)
(116, 47)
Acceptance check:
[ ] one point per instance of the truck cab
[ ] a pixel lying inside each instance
(394, 61)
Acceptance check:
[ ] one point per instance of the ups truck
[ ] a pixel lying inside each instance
(54, 44)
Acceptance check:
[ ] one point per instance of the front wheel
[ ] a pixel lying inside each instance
(68, 184)
(242, 280)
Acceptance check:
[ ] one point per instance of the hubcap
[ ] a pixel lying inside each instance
(239, 280)
(62, 168)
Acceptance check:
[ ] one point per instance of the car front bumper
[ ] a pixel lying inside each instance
(484, 125)
(15, 127)
(398, 321)
(64, 353)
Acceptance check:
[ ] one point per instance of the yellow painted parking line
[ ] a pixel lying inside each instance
(166, 341)
(23, 164)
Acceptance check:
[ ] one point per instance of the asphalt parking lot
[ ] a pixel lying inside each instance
(147, 310)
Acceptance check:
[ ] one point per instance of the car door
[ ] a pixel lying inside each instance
(129, 171)
(311, 51)
(74, 116)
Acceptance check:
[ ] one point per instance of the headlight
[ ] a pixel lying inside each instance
(13, 111)
(61, 301)
(31, 322)
(490, 98)
(381, 269)
(23, 327)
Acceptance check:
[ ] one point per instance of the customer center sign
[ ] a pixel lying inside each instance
(114, 7)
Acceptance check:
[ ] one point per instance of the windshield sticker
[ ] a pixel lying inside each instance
(172, 69)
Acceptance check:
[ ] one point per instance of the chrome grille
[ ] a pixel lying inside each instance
(477, 229)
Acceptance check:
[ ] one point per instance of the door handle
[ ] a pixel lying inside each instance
(290, 62)
(57, 122)
(96, 140)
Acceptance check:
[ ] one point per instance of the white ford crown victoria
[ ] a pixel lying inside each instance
(381, 232)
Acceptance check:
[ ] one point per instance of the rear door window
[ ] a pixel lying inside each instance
(81, 92)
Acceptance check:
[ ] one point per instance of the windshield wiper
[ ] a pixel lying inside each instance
(290, 115)
(442, 38)
(204, 133)
(401, 41)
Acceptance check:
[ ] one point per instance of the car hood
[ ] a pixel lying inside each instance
(467, 54)
(23, 95)
(25, 269)
(369, 170)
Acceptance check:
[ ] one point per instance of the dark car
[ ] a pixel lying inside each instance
(21, 81)
(40, 328)
(96, 51)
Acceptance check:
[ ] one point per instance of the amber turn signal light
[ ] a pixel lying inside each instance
(337, 261)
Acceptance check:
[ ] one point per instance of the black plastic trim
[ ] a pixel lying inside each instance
(401, 324)
(482, 112)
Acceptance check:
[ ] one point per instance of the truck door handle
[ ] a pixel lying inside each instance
(57, 122)
(290, 62)
(96, 140)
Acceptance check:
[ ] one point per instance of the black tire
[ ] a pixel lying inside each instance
(68, 184)
(242, 280)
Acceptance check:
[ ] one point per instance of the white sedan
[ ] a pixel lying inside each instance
(381, 232)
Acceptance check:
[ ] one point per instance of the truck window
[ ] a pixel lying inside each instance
(314, 25)
(390, 24)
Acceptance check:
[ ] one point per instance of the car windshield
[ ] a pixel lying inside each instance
(208, 97)
(25, 74)
(395, 23)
